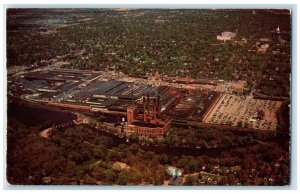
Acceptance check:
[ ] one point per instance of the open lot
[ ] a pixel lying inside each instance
(244, 111)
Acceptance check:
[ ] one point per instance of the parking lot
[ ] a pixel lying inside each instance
(244, 111)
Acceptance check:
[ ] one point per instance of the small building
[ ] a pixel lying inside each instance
(173, 171)
(265, 39)
(242, 41)
(226, 36)
(176, 174)
(263, 48)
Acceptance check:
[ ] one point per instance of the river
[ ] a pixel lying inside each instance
(38, 117)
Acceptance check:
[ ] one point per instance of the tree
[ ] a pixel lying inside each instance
(167, 141)
(134, 175)
(163, 159)
(158, 179)
(113, 156)
(149, 155)
(110, 175)
(134, 148)
(227, 140)
(190, 180)
(104, 140)
(98, 152)
(134, 137)
(249, 163)
(182, 162)
(74, 156)
(208, 168)
(192, 166)
(154, 163)
(231, 179)
(85, 155)
(98, 173)
(87, 180)
(123, 177)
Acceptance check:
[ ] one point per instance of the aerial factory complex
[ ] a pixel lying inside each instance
(148, 97)
(148, 109)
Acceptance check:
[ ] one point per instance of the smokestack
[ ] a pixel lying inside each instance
(148, 104)
(158, 106)
(129, 116)
(154, 109)
(132, 103)
(144, 108)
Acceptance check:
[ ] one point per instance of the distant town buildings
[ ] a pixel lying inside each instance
(243, 41)
(263, 48)
(226, 36)
(265, 39)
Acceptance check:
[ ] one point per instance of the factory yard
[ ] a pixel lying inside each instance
(244, 111)
(194, 106)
